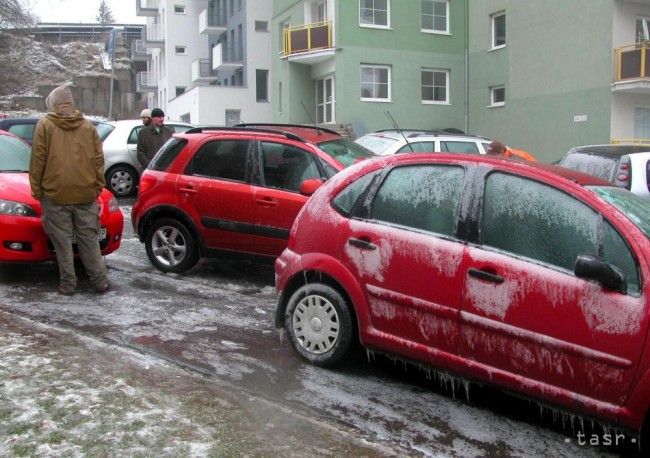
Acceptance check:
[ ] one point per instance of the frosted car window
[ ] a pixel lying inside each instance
(221, 159)
(15, 154)
(418, 147)
(23, 130)
(459, 147)
(592, 164)
(423, 197)
(286, 167)
(616, 252)
(344, 202)
(537, 221)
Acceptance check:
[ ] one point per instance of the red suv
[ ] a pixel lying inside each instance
(211, 190)
(533, 278)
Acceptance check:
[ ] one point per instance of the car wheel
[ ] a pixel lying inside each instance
(170, 246)
(121, 180)
(318, 324)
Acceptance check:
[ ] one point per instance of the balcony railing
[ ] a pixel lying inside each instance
(146, 7)
(632, 61)
(202, 71)
(139, 51)
(211, 24)
(153, 33)
(307, 38)
(146, 82)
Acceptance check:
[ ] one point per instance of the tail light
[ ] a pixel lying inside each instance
(624, 173)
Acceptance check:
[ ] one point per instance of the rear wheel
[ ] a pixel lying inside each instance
(170, 246)
(121, 180)
(319, 324)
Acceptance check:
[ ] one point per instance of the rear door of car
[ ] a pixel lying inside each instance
(526, 317)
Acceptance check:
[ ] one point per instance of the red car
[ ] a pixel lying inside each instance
(533, 278)
(21, 232)
(215, 190)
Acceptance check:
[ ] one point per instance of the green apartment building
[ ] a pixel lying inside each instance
(540, 75)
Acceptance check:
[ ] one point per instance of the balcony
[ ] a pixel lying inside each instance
(146, 8)
(632, 68)
(153, 36)
(308, 44)
(211, 25)
(146, 82)
(201, 71)
(139, 51)
(227, 57)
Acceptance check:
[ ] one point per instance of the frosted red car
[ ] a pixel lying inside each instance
(532, 278)
(22, 238)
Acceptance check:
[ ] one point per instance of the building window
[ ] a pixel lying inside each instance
(435, 86)
(280, 98)
(239, 4)
(180, 49)
(435, 16)
(498, 30)
(642, 31)
(179, 90)
(179, 9)
(497, 96)
(232, 7)
(261, 26)
(186, 118)
(375, 83)
(374, 13)
(262, 85)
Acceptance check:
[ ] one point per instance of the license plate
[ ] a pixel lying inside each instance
(102, 235)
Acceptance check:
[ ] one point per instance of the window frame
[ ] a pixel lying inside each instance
(180, 9)
(493, 35)
(433, 30)
(260, 29)
(447, 73)
(389, 97)
(267, 98)
(180, 50)
(374, 25)
(493, 90)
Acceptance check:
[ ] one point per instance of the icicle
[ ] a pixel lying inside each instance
(281, 335)
(466, 385)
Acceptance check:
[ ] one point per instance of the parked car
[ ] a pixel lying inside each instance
(228, 189)
(389, 142)
(22, 238)
(121, 166)
(23, 127)
(533, 278)
(627, 166)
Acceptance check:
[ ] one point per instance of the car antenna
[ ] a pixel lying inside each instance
(392, 120)
(318, 130)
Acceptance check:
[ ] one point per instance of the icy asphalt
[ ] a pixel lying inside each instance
(191, 365)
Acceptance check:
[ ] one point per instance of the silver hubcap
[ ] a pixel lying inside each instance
(121, 182)
(168, 246)
(316, 324)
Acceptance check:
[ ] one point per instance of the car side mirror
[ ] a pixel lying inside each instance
(594, 268)
(310, 185)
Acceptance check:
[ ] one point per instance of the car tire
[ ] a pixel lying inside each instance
(170, 246)
(319, 324)
(122, 180)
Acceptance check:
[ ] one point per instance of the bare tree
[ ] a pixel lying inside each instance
(13, 15)
(105, 15)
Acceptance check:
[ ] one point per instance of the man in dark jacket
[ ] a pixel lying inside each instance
(66, 174)
(152, 137)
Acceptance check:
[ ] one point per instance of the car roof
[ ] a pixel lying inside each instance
(314, 134)
(612, 150)
(234, 130)
(138, 122)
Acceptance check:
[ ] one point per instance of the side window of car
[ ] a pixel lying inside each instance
(133, 136)
(286, 167)
(459, 147)
(345, 201)
(418, 147)
(425, 197)
(23, 130)
(225, 159)
(616, 252)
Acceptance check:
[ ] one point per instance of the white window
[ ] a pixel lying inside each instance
(498, 30)
(374, 13)
(180, 50)
(642, 31)
(641, 122)
(497, 96)
(375, 83)
(435, 16)
(261, 26)
(435, 86)
(179, 9)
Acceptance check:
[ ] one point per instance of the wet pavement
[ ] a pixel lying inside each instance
(214, 326)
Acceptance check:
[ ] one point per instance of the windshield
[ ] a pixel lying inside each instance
(103, 129)
(377, 144)
(634, 207)
(345, 151)
(14, 154)
(591, 164)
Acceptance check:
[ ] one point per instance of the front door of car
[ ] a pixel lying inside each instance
(277, 198)
(524, 311)
(215, 191)
(405, 255)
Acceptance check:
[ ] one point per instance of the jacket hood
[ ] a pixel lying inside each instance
(70, 122)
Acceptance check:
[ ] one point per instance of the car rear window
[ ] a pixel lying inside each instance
(592, 164)
(103, 129)
(345, 151)
(167, 154)
(15, 154)
(633, 206)
(23, 130)
(376, 143)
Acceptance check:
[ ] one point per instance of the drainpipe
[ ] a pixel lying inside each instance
(466, 65)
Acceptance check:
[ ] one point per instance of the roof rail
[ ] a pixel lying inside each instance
(300, 126)
(241, 128)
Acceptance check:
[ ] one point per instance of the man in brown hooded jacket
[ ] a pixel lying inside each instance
(66, 174)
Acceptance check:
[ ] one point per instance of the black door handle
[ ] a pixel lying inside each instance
(364, 244)
(487, 276)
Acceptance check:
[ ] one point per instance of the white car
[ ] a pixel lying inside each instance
(393, 142)
(121, 167)
(627, 166)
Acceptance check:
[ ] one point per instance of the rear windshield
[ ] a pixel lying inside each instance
(377, 144)
(166, 154)
(633, 206)
(345, 151)
(15, 154)
(103, 129)
(592, 164)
